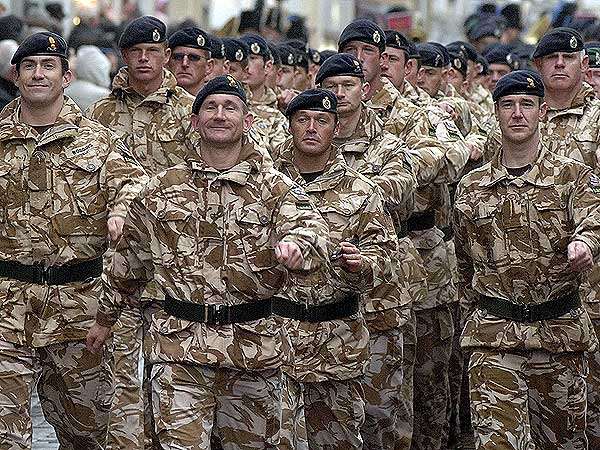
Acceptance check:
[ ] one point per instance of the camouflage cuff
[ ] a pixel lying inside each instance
(591, 243)
(118, 211)
(105, 320)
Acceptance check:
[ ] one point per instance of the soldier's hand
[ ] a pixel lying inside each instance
(476, 154)
(350, 257)
(96, 337)
(115, 228)
(579, 256)
(290, 255)
(284, 99)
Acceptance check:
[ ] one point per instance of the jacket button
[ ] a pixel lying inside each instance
(263, 220)
(91, 167)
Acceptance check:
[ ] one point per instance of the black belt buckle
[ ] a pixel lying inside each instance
(217, 314)
(41, 273)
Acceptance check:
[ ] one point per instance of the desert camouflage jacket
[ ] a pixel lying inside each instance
(208, 237)
(511, 241)
(57, 191)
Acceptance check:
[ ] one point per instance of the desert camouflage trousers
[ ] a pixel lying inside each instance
(74, 387)
(382, 385)
(190, 401)
(405, 407)
(293, 435)
(455, 378)
(335, 411)
(593, 394)
(430, 378)
(531, 400)
(126, 418)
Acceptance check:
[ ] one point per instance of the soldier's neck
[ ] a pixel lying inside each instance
(374, 85)
(348, 123)
(310, 163)
(193, 90)
(220, 157)
(145, 88)
(39, 114)
(258, 92)
(561, 99)
(520, 154)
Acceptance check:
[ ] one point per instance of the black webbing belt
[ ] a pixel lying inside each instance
(424, 221)
(529, 313)
(218, 314)
(318, 313)
(54, 275)
(247, 312)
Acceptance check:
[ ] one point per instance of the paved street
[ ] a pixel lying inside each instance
(43, 434)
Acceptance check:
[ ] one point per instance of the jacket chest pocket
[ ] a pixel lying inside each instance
(487, 238)
(13, 192)
(550, 224)
(256, 225)
(81, 206)
(177, 237)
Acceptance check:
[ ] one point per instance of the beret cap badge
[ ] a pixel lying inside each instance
(530, 83)
(290, 59)
(156, 35)
(573, 42)
(316, 56)
(326, 103)
(200, 40)
(457, 63)
(255, 48)
(52, 44)
(376, 37)
(239, 55)
(231, 81)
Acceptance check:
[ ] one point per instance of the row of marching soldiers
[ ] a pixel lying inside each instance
(284, 260)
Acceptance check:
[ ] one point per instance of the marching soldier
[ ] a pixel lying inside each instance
(65, 182)
(527, 224)
(331, 339)
(151, 114)
(222, 234)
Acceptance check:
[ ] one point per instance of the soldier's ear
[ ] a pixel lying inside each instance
(248, 120)
(585, 63)
(67, 78)
(366, 86)
(543, 109)
(167, 55)
(195, 123)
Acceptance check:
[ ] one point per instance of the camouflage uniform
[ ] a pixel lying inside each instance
(331, 357)
(269, 128)
(207, 238)
(575, 132)
(57, 191)
(527, 378)
(382, 158)
(156, 129)
(482, 97)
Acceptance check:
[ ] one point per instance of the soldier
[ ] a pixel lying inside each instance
(331, 342)
(236, 58)
(65, 182)
(314, 63)
(217, 54)
(592, 74)
(526, 223)
(572, 129)
(502, 60)
(190, 59)
(259, 64)
(151, 114)
(222, 233)
(285, 76)
(273, 71)
(381, 157)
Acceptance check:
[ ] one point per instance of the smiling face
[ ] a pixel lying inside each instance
(222, 120)
(41, 80)
(562, 71)
(312, 131)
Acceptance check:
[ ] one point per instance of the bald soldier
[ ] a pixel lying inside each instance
(571, 128)
(222, 233)
(65, 184)
(527, 225)
(151, 114)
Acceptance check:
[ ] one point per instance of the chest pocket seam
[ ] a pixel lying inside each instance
(252, 222)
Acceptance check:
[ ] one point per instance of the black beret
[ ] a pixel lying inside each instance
(326, 54)
(467, 50)
(11, 27)
(217, 48)
(444, 51)
(502, 54)
(301, 59)
(487, 28)
(362, 30)
(235, 50)
(339, 64)
(274, 53)
(192, 37)
(44, 43)
(560, 39)
(485, 67)
(314, 56)
(459, 63)
(257, 45)
(592, 49)
(413, 53)
(397, 40)
(143, 30)
(431, 56)
(297, 44)
(313, 100)
(519, 82)
(223, 84)
(287, 55)
(512, 15)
